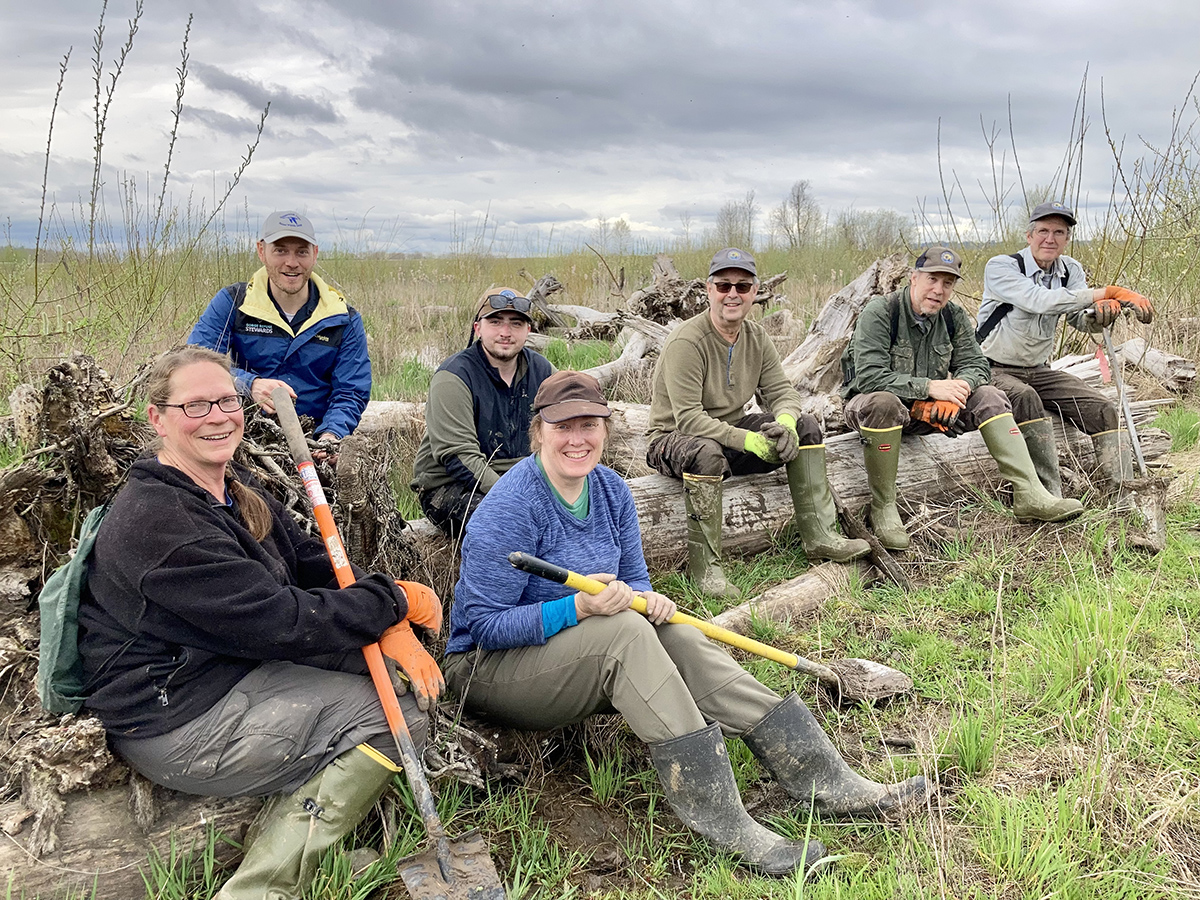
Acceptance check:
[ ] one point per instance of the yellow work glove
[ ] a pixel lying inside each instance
(788, 421)
(761, 446)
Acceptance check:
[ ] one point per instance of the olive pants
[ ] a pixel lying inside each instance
(666, 680)
(883, 409)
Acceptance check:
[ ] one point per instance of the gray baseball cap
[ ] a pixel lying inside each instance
(1052, 208)
(939, 258)
(732, 258)
(287, 223)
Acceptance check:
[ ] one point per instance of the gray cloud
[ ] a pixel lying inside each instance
(257, 95)
(549, 113)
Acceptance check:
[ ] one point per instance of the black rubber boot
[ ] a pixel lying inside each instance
(797, 751)
(698, 781)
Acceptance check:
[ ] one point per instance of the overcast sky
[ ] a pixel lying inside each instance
(400, 125)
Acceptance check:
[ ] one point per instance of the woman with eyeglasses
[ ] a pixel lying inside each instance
(529, 654)
(218, 650)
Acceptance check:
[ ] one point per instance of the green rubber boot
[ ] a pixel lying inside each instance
(1030, 500)
(293, 831)
(702, 498)
(1039, 440)
(1114, 457)
(698, 782)
(799, 754)
(881, 453)
(816, 515)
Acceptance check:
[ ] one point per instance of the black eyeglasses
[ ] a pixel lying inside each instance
(508, 301)
(198, 409)
(743, 287)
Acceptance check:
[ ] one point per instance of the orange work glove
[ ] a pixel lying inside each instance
(399, 643)
(1107, 309)
(941, 414)
(1141, 306)
(424, 607)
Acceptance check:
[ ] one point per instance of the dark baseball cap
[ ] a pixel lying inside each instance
(568, 395)
(503, 299)
(939, 258)
(1052, 208)
(287, 223)
(732, 258)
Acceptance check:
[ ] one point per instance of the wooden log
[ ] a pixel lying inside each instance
(796, 598)
(1175, 372)
(815, 366)
(101, 841)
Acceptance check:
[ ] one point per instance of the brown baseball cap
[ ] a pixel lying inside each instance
(1052, 208)
(568, 395)
(939, 258)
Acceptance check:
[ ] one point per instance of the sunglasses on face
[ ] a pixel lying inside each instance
(198, 409)
(743, 287)
(508, 301)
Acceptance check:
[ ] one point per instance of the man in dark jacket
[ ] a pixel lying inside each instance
(478, 413)
(286, 326)
(913, 366)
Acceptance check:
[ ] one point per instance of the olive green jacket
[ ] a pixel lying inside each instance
(873, 361)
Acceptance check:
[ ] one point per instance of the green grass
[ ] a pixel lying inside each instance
(1183, 424)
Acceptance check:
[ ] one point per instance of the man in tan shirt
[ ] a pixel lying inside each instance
(709, 369)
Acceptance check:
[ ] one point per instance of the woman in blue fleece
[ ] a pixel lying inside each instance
(525, 655)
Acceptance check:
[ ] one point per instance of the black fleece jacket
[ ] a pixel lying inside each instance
(182, 602)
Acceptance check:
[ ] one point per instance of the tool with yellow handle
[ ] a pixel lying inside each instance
(852, 679)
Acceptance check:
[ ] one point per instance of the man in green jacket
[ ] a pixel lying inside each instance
(913, 366)
(709, 369)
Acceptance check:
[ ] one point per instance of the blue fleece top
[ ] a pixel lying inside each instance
(497, 606)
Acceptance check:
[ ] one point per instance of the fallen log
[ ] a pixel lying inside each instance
(797, 598)
(1175, 372)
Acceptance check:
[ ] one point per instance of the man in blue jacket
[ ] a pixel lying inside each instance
(286, 326)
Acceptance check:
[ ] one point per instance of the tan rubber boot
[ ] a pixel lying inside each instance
(294, 831)
(816, 514)
(1030, 500)
(1039, 439)
(702, 498)
(881, 453)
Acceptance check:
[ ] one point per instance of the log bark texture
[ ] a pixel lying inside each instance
(796, 598)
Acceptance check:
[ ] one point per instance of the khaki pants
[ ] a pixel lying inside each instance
(666, 680)
(1036, 389)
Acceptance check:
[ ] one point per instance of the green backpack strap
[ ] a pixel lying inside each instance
(60, 669)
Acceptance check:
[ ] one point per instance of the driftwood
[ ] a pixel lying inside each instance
(1175, 372)
(798, 598)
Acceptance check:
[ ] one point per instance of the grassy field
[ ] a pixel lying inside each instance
(1057, 704)
(1057, 708)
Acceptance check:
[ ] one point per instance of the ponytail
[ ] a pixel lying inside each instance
(256, 515)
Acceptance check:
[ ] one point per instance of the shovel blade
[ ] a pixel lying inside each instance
(866, 680)
(473, 875)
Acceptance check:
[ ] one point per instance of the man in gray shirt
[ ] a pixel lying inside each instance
(1024, 294)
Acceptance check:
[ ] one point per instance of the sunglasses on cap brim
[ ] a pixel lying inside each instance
(504, 301)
